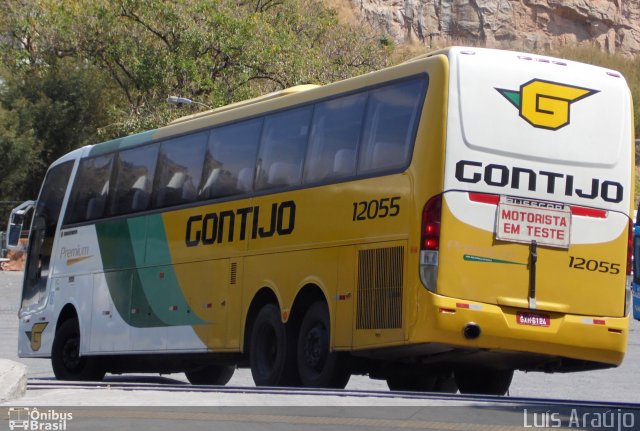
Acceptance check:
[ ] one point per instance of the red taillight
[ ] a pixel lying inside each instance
(431, 224)
(588, 212)
(484, 198)
(630, 248)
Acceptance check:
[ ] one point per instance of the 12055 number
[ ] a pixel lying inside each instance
(594, 265)
(368, 210)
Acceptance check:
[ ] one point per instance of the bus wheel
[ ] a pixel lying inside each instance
(422, 381)
(272, 350)
(446, 384)
(483, 381)
(65, 355)
(210, 375)
(317, 365)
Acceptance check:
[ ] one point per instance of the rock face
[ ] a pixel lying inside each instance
(612, 25)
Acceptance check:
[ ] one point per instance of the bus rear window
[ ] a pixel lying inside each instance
(391, 120)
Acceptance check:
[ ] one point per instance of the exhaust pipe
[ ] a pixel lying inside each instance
(471, 331)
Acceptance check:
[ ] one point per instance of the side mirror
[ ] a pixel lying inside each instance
(16, 220)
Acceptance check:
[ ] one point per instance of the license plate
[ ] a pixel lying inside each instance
(533, 319)
(527, 220)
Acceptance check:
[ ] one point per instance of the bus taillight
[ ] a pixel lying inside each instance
(431, 224)
(430, 242)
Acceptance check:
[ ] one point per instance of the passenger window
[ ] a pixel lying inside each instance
(391, 121)
(90, 189)
(283, 147)
(334, 138)
(179, 170)
(230, 160)
(134, 178)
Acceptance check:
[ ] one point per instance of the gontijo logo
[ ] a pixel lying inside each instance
(546, 104)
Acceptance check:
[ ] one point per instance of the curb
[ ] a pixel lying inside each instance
(13, 380)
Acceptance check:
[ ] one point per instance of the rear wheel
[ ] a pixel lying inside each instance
(272, 350)
(419, 379)
(483, 381)
(65, 355)
(210, 375)
(319, 367)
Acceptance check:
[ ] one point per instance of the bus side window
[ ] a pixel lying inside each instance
(179, 170)
(283, 147)
(334, 138)
(392, 119)
(134, 178)
(90, 189)
(230, 160)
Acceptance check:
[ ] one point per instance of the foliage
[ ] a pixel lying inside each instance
(215, 51)
(45, 113)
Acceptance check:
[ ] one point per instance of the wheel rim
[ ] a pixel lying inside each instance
(315, 347)
(71, 353)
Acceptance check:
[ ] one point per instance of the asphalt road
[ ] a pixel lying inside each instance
(621, 384)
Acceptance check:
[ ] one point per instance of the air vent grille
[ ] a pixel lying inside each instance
(233, 278)
(380, 281)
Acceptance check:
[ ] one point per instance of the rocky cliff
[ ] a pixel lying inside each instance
(612, 25)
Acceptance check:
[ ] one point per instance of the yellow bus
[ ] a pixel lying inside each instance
(437, 224)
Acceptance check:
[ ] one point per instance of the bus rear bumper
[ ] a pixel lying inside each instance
(592, 339)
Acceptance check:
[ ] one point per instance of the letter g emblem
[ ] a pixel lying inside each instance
(546, 104)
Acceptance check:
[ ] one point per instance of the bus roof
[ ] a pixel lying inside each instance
(242, 103)
(150, 135)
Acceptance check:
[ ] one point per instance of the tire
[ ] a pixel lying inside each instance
(66, 361)
(218, 375)
(417, 383)
(483, 381)
(446, 384)
(317, 365)
(421, 380)
(272, 350)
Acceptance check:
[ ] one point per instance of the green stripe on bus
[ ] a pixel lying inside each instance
(123, 279)
(160, 283)
(472, 258)
(142, 283)
(114, 239)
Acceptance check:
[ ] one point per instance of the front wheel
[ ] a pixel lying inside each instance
(483, 381)
(319, 367)
(66, 361)
(218, 375)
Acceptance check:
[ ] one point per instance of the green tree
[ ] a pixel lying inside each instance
(214, 51)
(45, 113)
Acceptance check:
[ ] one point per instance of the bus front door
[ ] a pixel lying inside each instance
(42, 235)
